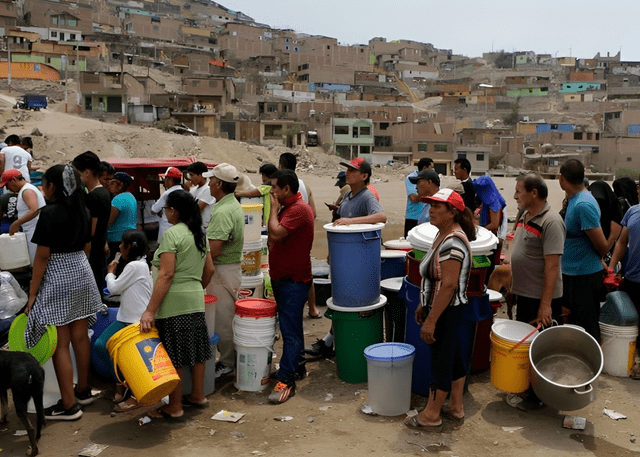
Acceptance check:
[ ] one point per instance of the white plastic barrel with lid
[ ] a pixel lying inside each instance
(252, 223)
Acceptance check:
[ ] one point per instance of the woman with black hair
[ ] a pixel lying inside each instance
(176, 307)
(134, 286)
(63, 291)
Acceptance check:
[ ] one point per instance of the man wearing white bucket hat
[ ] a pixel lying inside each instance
(290, 238)
(226, 237)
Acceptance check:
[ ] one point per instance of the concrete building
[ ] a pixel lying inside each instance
(65, 21)
(620, 141)
(212, 92)
(435, 138)
(242, 41)
(7, 16)
(353, 138)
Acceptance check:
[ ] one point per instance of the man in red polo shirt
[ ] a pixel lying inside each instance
(290, 239)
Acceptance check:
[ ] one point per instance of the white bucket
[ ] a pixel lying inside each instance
(389, 372)
(209, 372)
(618, 348)
(255, 284)
(51, 391)
(251, 258)
(13, 251)
(265, 249)
(252, 223)
(254, 340)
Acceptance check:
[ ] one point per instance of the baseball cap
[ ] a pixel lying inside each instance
(172, 172)
(358, 164)
(342, 176)
(122, 176)
(8, 175)
(224, 172)
(198, 168)
(447, 196)
(428, 174)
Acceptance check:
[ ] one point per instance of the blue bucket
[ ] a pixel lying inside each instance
(354, 251)
(392, 264)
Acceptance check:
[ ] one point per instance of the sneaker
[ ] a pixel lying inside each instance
(84, 398)
(58, 413)
(300, 373)
(281, 392)
(320, 349)
(222, 370)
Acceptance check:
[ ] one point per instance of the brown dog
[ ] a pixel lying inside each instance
(500, 280)
(22, 373)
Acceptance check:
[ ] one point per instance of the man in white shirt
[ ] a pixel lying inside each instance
(172, 178)
(13, 156)
(199, 188)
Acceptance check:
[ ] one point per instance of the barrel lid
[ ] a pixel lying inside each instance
(382, 300)
(389, 352)
(392, 284)
(392, 254)
(251, 206)
(401, 243)
(494, 295)
(215, 339)
(513, 331)
(353, 228)
(210, 299)
(43, 350)
(255, 307)
(421, 238)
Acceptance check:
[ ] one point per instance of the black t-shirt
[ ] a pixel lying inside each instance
(98, 202)
(8, 202)
(59, 227)
(469, 196)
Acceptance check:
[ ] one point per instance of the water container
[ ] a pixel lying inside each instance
(209, 372)
(254, 285)
(392, 263)
(355, 263)
(389, 367)
(13, 251)
(12, 297)
(618, 310)
(251, 258)
(252, 223)
(618, 348)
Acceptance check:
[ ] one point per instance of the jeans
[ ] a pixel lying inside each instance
(291, 298)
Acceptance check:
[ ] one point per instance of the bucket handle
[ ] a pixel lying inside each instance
(583, 392)
(115, 365)
(374, 237)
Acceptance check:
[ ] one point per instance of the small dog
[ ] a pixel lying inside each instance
(500, 280)
(22, 373)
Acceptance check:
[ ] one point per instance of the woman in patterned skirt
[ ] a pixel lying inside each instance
(63, 292)
(176, 307)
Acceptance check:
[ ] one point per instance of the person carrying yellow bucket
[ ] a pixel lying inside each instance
(176, 307)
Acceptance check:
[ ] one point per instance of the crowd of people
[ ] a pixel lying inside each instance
(85, 242)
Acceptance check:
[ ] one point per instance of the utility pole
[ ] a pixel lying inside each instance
(78, 94)
(64, 68)
(9, 63)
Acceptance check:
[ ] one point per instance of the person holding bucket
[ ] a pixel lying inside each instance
(63, 290)
(176, 306)
(290, 238)
(445, 271)
(134, 286)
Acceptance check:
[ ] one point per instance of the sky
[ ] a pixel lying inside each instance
(562, 28)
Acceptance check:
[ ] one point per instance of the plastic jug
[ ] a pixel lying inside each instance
(618, 310)
(13, 251)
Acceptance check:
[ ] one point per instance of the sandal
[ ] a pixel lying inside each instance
(317, 316)
(447, 413)
(412, 422)
(162, 414)
(186, 401)
(123, 407)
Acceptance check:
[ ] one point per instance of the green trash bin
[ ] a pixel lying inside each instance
(354, 330)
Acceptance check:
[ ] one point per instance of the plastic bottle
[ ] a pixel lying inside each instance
(12, 297)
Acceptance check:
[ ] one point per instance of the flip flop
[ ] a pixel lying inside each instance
(186, 401)
(168, 417)
(447, 413)
(412, 422)
(123, 407)
(317, 316)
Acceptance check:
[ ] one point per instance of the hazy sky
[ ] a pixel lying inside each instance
(580, 29)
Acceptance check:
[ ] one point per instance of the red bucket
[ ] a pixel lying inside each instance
(255, 307)
(412, 268)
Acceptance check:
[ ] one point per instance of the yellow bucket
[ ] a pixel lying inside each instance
(144, 362)
(509, 368)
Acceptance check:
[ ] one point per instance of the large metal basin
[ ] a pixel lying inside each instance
(569, 392)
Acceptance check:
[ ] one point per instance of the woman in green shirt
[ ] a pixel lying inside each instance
(176, 306)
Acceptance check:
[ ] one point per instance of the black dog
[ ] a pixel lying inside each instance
(22, 373)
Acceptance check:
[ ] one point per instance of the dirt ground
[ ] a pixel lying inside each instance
(325, 410)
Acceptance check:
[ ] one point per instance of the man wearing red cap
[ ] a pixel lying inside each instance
(30, 200)
(172, 178)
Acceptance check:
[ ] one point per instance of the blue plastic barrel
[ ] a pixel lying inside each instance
(354, 251)
(392, 263)
(421, 378)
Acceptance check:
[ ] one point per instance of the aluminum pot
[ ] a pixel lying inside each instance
(572, 342)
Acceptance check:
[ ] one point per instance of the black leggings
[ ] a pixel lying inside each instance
(447, 363)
